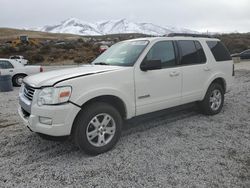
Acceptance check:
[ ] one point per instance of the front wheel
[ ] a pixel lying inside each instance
(17, 80)
(97, 128)
(213, 101)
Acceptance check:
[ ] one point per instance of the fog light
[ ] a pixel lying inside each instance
(45, 120)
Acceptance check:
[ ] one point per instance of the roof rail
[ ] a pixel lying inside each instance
(187, 35)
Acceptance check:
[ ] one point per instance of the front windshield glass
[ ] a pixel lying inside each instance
(122, 54)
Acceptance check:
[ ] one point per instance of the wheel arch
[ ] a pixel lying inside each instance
(13, 77)
(109, 99)
(216, 79)
(22, 73)
(113, 100)
(220, 81)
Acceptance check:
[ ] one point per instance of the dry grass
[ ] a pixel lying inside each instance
(10, 34)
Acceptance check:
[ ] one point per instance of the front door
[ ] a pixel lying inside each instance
(158, 89)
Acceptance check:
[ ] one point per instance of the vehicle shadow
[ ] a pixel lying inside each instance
(147, 121)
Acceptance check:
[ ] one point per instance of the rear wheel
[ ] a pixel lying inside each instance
(17, 80)
(97, 128)
(213, 101)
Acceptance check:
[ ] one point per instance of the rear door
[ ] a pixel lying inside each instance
(158, 89)
(195, 69)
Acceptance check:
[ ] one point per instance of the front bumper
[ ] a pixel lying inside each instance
(62, 118)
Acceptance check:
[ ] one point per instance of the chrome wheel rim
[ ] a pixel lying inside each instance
(100, 130)
(19, 80)
(215, 100)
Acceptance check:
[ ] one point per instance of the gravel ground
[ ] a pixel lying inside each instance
(174, 148)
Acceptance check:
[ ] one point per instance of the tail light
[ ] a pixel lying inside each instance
(233, 71)
(41, 69)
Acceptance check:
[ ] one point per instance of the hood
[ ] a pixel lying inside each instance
(51, 78)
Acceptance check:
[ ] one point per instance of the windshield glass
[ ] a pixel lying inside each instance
(122, 54)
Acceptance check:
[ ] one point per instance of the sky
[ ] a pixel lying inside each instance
(199, 15)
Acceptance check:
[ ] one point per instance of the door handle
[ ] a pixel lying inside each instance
(174, 73)
(207, 69)
(11, 71)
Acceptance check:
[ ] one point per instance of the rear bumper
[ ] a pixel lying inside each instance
(62, 117)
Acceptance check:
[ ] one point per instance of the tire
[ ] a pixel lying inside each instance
(17, 80)
(102, 135)
(53, 138)
(213, 101)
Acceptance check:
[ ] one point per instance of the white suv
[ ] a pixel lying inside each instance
(131, 78)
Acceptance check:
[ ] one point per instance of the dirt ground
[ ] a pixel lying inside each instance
(174, 148)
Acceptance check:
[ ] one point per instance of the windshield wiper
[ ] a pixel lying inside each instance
(101, 63)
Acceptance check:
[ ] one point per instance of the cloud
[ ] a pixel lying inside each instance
(212, 15)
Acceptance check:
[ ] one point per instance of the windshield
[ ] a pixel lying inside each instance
(122, 54)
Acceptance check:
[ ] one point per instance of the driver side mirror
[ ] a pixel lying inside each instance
(150, 65)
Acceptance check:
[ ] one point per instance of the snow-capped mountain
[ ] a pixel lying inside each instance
(79, 27)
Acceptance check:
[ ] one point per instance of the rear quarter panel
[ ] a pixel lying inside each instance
(221, 69)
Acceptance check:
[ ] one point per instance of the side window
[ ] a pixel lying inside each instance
(219, 51)
(163, 51)
(201, 53)
(191, 52)
(6, 65)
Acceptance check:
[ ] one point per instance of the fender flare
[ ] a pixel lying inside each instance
(89, 95)
(212, 78)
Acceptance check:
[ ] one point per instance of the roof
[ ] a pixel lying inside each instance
(5, 59)
(151, 39)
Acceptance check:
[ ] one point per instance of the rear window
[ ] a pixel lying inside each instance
(219, 51)
(191, 52)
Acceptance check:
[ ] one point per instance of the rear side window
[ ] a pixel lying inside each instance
(219, 51)
(6, 65)
(200, 51)
(163, 51)
(191, 52)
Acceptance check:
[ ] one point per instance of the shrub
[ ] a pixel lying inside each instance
(45, 49)
(24, 48)
(66, 46)
(51, 59)
(8, 49)
(37, 58)
(79, 59)
(80, 40)
(55, 55)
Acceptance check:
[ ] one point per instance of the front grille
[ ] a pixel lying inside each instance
(28, 92)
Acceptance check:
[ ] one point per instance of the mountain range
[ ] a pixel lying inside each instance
(79, 27)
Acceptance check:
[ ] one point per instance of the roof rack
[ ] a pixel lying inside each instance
(187, 35)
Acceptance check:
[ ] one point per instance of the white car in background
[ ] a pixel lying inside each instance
(17, 70)
(19, 59)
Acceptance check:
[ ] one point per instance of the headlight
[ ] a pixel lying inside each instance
(53, 95)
